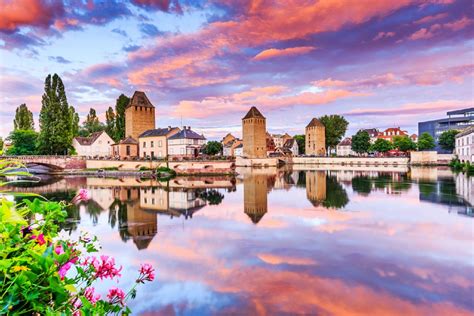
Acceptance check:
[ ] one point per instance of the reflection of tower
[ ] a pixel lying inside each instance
(142, 225)
(255, 196)
(254, 134)
(316, 187)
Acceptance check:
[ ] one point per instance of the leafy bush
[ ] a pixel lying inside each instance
(46, 272)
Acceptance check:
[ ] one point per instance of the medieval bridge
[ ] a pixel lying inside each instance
(53, 162)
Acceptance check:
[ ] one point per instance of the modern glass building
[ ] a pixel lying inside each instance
(458, 119)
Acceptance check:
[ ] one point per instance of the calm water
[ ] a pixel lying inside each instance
(270, 242)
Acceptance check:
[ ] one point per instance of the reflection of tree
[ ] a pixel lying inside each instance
(427, 188)
(94, 210)
(123, 221)
(301, 179)
(113, 214)
(362, 185)
(212, 196)
(336, 195)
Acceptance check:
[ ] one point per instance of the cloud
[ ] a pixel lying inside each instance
(431, 18)
(120, 31)
(59, 59)
(275, 52)
(413, 108)
(150, 30)
(435, 29)
(162, 5)
(382, 35)
(131, 48)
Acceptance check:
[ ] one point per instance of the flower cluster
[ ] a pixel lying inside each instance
(104, 268)
(147, 273)
(116, 296)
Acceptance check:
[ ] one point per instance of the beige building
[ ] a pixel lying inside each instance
(280, 139)
(254, 134)
(186, 143)
(126, 148)
(97, 145)
(255, 196)
(139, 115)
(465, 145)
(154, 143)
(344, 148)
(315, 140)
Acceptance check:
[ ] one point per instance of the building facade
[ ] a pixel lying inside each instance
(344, 148)
(139, 115)
(154, 143)
(254, 134)
(315, 140)
(97, 145)
(186, 143)
(458, 120)
(391, 132)
(464, 145)
(125, 149)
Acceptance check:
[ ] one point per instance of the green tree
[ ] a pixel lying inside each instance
(91, 124)
(56, 126)
(1, 144)
(426, 142)
(361, 142)
(23, 142)
(403, 143)
(381, 145)
(74, 120)
(336, 127)
(212, 148)
(300, 140)
(110, 124)
(23, 118)
(447, 140)
(120, 106)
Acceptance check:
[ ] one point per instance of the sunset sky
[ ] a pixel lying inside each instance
(380, 63)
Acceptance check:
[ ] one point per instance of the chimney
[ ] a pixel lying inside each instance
(169, 128)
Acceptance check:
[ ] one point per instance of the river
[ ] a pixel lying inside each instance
(386, 241)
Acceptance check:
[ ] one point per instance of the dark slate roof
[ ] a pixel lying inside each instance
(156, 132)
(128, 141)
(187, 133)
(253, 112)
(466, 131)
(373, 132)
(315, 122)
(87, 141)
(289, 143)
(239, 146)
(139, 98)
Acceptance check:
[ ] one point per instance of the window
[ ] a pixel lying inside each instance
(152, 144)
(152, 154)
(144, 144)
(128, 150)
(182, 151)
(160, 143)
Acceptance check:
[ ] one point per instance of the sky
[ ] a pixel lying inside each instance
(205, 63)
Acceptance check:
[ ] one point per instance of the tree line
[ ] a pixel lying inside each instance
(59, 123)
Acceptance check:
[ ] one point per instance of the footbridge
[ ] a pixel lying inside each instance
(59, 163)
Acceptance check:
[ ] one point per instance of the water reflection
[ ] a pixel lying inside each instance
(290, 241)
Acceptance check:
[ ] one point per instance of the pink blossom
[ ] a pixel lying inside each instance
(104, 268)
(64, 269)
(91, 295)
(116, 295)
(39, 239)
(82, 195)
(59, 250)
(147, 273)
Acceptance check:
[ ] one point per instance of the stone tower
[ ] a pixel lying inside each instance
(254, 134)
(316, 187)
(315, 138)
(255, 196)
(139, 115)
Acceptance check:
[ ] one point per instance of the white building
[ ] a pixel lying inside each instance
(465, 145)
(97, 145)
(344, 148)
(185, 143)
(238, 151)
(292, 146)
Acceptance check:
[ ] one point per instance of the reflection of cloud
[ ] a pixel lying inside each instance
(276, 259)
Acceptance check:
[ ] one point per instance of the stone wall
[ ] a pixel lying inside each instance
(138, 119)
(254, 137)
(350, 161)
(429, 158)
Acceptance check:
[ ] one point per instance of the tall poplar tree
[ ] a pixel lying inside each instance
(120, 106)
(91, 124)
(110, 126)
(74, 118)
(23, 119)
(56, 128)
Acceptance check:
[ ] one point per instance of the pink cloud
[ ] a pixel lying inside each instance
(431, 18)
(429, 32)
(382, 35)
(275, 52)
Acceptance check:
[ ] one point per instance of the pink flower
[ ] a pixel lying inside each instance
(59, 250)
(104, 268)
(82, 195)
(147, 273)
(39, 239)
(116, 295)
(64, 269)
(91, 295)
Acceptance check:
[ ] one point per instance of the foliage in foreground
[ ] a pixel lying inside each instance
(457, 165)
(43, 271)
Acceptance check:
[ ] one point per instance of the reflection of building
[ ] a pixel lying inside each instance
(465, 188)
(465, 145)
(316, 187)
(458, 119)
(255, 196)
(139, 115)
(141, 225)
(254, 134)
(315, 138)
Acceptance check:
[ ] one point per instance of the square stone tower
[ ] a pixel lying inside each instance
(315, 141)
(139, 115)
(254, 134)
